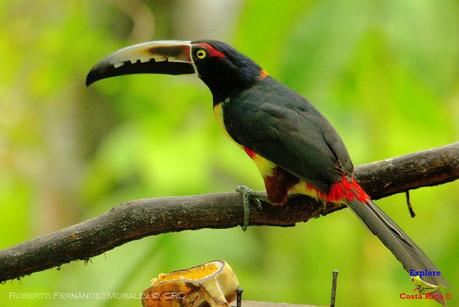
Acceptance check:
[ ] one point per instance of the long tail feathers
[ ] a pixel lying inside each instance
(396, 240)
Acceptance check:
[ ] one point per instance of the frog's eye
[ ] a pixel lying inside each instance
(201, 54)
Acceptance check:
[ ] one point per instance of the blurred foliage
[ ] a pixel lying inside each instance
(386, 73)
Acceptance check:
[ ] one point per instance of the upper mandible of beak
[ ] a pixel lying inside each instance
(156, 57)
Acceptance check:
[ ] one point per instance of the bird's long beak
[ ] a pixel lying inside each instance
(156, 57)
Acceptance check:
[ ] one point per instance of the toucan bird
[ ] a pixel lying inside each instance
(295, 148)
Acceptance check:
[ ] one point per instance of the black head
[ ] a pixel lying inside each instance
(222, 68)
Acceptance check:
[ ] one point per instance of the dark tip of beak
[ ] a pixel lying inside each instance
(100, 71)
(91, 78)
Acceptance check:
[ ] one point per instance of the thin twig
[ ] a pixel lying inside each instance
(239, 297)
(333, 289)
(408, 203)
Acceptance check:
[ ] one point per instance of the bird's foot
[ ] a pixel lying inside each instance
(248, 195)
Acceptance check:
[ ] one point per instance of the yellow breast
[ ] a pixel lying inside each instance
(264, 165)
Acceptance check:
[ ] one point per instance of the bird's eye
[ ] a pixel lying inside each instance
(201, 54)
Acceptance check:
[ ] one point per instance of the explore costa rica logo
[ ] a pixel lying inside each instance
(424, 290)
(426, 296)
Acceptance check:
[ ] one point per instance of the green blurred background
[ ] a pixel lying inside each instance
(386, 73)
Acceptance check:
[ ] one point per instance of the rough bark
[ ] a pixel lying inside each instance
(139, 218)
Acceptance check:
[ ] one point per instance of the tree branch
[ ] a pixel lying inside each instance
(136, 219)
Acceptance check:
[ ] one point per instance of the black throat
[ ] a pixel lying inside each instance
(227, 84)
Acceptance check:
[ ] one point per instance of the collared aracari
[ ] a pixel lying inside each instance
(295, 148)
